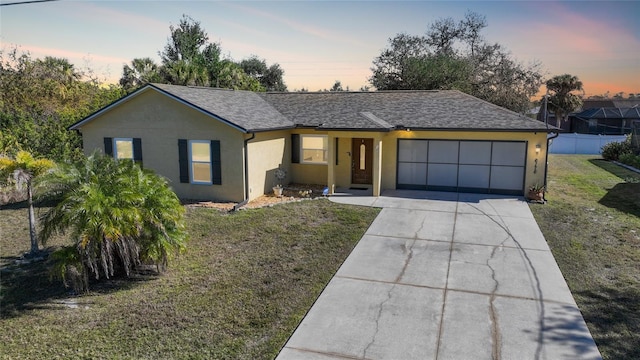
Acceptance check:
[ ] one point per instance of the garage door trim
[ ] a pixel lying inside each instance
(493, 166)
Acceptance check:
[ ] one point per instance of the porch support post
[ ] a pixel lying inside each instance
(331, 155)
(377, 165)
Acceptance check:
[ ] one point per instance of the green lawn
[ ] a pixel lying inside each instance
(248, 278)
(592, 224)
(239, 291)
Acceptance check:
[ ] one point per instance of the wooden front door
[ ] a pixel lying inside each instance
(362, 161)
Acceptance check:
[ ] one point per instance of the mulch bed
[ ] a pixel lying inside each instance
(293, 192)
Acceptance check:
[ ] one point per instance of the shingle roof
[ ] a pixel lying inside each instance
(244, 109)
(443, 109)
(610, 113)
(375, 111)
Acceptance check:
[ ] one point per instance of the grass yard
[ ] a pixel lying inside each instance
(239, 291)
(592, 224)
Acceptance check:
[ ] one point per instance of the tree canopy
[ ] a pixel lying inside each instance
(562, 100)
(188, 58)
(454, 55)
(40, 99)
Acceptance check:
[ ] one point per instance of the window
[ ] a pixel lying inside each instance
(200, 161)
(314, 149)
(124, 148)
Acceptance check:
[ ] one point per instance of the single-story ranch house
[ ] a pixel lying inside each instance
(216, 144)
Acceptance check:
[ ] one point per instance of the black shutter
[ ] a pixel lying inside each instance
(108, 146)
(295, 148)
(337, 151)
(216, 166)
(137, 150)
(183, 160)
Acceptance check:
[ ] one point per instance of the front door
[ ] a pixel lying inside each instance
(362, 161)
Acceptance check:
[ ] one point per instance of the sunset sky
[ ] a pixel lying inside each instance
(319, 42)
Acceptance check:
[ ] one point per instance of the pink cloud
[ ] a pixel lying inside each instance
(570, 33)
(297, 26)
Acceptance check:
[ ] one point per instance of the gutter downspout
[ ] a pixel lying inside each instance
(546, 163)
(246, 174)
(546, 157)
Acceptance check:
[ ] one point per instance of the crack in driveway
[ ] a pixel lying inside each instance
(375, 334)
(496, 349)
(406, 249)
(537, 287)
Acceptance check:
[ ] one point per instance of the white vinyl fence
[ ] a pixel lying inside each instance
(582, 143)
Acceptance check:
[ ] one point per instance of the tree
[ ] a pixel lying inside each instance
(270, 77)
(562, 101)
(337, 86)
(453, 55)
(142, 71)
(188, 58)
(233, 77)
(118, 216)
(41, 98)
(185, 42)
(185, 73)
(25, 168)
(390, 69)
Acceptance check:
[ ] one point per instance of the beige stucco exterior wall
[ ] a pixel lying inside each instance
(342, 171)
(533, 173)
(266, 152)
(308, 173)
(385, 163)
(160, 121)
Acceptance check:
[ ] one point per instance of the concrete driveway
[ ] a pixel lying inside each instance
(445, 276)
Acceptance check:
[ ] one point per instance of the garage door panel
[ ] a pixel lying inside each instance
(443, 151)
(442, 175)
(413, 150)
(462, 165)
(475, 152)
(507, 178)
(412, 173)
(474, 176)
(508, 153)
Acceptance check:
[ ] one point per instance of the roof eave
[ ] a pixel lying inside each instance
(352, 129)
(90, 117)
(143, 89)
(257, 130)
(411, 128)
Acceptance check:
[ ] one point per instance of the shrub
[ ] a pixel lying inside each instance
(118, 216)
(68, 267)
(630, 159)
(613, 150)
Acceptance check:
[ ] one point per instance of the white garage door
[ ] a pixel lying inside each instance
(466, 166)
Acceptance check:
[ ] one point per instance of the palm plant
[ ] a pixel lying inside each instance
(118, 216)
(24, 168)
(142, 71)
(562, 100)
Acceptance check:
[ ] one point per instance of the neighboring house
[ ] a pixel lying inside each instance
(600, 116)
(604, 120)
(215, 144)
